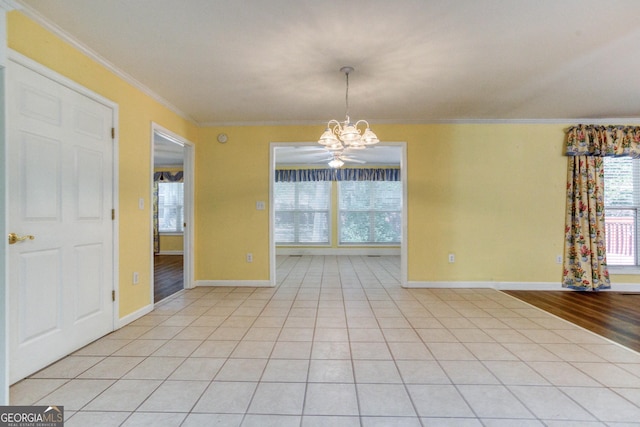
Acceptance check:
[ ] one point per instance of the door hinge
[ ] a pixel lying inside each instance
(113, 214)
(113, 133)
(113, 295)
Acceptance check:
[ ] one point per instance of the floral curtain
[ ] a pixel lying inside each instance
(159, 177)
(347, 174)
(585, 262)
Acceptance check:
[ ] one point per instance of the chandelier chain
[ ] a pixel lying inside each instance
(347, 95)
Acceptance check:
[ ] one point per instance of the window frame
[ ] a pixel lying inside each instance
(618, 268)
(372, 214)
(328, 211)
(180, 224)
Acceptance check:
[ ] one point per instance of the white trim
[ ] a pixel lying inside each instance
(514, 286)
(171, 252)
(236, 283)
(66, 37)
(134, 316)
(624, 271)
(460, 121)
(188, 168)
(339, 251)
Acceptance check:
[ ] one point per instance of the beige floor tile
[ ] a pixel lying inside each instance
(331, 371)
(331, 399)
(140, 348)
(439, 401)
(286, 370)
(421, 372)
(123, 395)
(251, 420)
(549, 403)
(409, 351)
(391, 421)
(97, 419)
(75, 394)
(69, 367)
(376, 371)
(331, 350)
(31, 390)
(155, 419)
(468, 372)
(605, 404)
(371, 351)
(174, 396)
(291, 350)
(242, 370)
(384, 400)
(253, 350)
(329, 421)
(197, 368)
(178, 348)
(494, 401)
(226, 397)
(102, 347)
(215, 349)
(112, 367)
(278, 399)
(154, 368)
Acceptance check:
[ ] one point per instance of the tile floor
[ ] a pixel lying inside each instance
(340, 343)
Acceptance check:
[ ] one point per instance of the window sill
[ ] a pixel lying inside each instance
(630, 270)
(171, 233)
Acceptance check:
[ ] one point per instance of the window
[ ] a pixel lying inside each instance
(621, 204)
(370, 212)
(170, 207)
(302, 212)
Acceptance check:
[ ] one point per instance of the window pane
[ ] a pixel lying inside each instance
(355, 195)
(285, 227)
(313, 227)
(354, 227)
(302, 212)
(370, 211)
(621, 232)
(388, 227)
(619, 181)
(170, 206)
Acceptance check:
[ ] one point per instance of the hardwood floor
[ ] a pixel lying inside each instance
(613, 315)
(168, 275)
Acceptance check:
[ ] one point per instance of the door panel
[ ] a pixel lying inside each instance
(60, 156)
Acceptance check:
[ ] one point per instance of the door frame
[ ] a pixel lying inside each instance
(188, 176)
(20, 59)
(402, 146)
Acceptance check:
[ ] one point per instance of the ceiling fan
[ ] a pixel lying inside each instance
(337, 159)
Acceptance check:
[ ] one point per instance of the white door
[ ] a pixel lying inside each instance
(60, 168)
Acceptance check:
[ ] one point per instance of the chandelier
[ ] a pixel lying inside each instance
(339, 137)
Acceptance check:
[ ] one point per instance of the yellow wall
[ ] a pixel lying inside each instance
(171, 243)
(136, 112)
(492, 194)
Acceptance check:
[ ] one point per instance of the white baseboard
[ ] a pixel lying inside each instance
(339, 251)
(170, 253)
(235, 283)
(123, 321)
(515, 286)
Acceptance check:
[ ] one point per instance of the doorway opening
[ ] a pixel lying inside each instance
(332, 228)
(172, 198)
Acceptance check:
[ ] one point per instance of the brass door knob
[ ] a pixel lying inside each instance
(14, 238)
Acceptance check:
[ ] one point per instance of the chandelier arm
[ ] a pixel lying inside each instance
(362, 121)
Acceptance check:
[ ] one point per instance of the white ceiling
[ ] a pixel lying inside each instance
(277, 61)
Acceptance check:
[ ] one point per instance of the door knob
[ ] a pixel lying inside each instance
(14, 238)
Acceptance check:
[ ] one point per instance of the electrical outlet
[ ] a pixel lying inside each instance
(136, 277)
(558, 259)
(260, 205)
(249, 257)
(452, 258)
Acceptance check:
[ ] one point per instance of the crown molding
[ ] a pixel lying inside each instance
(85, 50)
